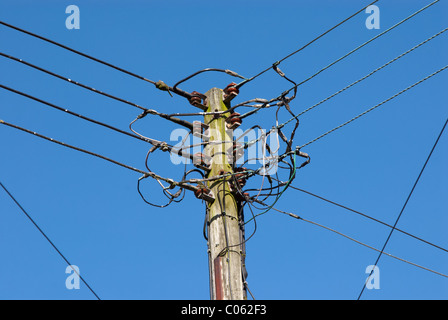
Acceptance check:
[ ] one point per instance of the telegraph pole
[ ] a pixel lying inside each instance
(226, 253)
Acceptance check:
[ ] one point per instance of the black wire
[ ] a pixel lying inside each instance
(336, 61)
(241, 213)
(375, 106)
(365, 77)
(354, 240)
(48, 239)
(368, 217)
(404, 206)
(222, 207)
(178, 91)
(72, 147)
(174, 89)
(152, 204)
(306, 45)
(168, 194)
(71, 81)
(151, 141)
(81, 150)
(360, 46)
(75, 51)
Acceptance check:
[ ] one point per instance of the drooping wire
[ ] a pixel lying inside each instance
(183, 184)
(48, 239)
(280, 194)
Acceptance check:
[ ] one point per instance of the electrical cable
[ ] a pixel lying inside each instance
(149, 140)
(279, 195)
(360, 46)
(306, 45)
(357, 241)
(71, 81)
(363, 78)
(159, 84)
(404, 205)
(368, 217)
(374, 107)
(336, 61)
(72, 147)
(227, 71)
(48, 239)
(183, 184)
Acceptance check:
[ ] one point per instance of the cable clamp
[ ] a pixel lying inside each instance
(277, 69)
(163, 86)
(300, 153)
(164, 146)
(303, 155)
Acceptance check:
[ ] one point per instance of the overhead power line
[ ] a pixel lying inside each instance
(368, 217)
(353, 83)
(357, 241)
(364, 77)
(306, 45)
(374, 107)
(151, 141)
(404, 205)
(361, 46)
(71, 81)
(48, 239)
(162, 145)
(71, 147)
(159, 84)
(77, 52)
(184, 184)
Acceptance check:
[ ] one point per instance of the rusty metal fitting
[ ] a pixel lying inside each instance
(233, 121)
(231, 88)
(201, 191)
(201, 159)
(230, 92)
(236, 121)
(233, 115)
(195, 98)
(198, 99)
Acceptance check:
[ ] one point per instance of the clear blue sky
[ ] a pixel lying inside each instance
(126, 249)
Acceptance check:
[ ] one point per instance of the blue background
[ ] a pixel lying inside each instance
(126, 249)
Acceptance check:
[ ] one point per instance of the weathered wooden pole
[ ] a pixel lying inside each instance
(224, 241)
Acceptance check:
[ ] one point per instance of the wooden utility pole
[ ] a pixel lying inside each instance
(224, 232)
